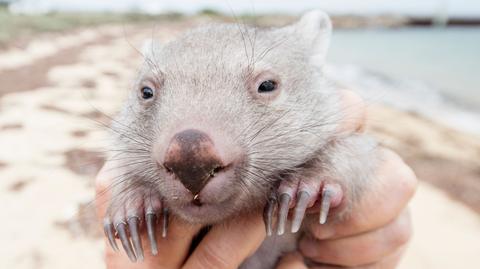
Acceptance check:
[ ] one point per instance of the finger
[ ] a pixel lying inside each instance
(351, 251)
(389, 262)
(395, 185)
(173, 249)
(354, 112)
(292, 260)
(227, 246)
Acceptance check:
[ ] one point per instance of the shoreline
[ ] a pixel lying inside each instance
(56, 157)
(445, 158)
(408, 96)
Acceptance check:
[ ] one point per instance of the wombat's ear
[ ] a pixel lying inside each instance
(149, 48)
(316, 28)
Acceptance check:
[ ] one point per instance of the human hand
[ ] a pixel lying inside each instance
(374, 235)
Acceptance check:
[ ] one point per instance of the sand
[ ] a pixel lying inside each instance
(52, 136)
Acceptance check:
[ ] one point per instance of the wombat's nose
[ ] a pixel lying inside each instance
(192, 157)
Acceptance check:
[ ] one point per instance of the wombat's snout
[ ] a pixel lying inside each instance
(193, 158)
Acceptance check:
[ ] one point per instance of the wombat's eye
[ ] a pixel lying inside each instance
(147, 92)
(267, 86)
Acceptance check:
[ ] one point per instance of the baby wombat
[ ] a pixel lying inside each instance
(230, 119)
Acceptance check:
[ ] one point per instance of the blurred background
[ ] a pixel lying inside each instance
(65, 67)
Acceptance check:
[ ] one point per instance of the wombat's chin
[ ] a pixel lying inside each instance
(205, 214)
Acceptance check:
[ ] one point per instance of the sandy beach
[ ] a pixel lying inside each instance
(55, 93)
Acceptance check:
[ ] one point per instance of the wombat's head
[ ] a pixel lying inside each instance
(218, 116)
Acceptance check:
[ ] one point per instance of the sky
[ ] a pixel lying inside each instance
(457, 8)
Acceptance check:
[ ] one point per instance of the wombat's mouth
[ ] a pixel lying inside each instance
(221, 196)
(205, 213)
(196, 200)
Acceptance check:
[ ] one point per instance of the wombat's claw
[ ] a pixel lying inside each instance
(327, 194)
(122, 233)
(127, 228)
(284, 206)
(151, 221)
(303, 198)
(108, 229)
(133, 223)
(165, 222)
(300, 195)
(268, 213)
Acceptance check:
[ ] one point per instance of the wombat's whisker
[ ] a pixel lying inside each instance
(116, 122)
(129, 157)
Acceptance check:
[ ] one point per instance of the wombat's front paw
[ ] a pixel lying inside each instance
(125, 217)
(297, 195)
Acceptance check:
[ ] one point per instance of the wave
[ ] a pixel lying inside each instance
(407, 95)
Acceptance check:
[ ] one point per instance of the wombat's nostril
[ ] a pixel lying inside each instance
(217, 169)
(193, 158)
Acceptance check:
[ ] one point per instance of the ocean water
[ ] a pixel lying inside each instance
(432, 71)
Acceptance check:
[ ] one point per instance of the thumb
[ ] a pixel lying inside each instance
(293, 260)
(103, 182)
(227, 246)
(354, 113)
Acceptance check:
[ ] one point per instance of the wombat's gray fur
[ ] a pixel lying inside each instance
(255, 103)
